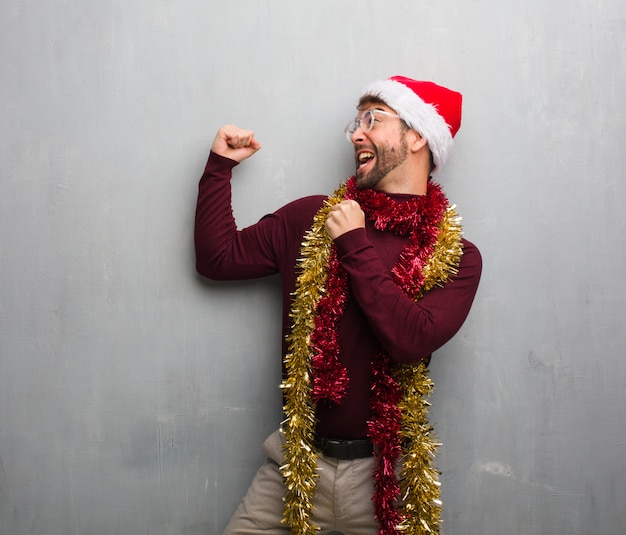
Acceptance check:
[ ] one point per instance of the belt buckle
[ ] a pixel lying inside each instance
(340, 449)
(350, 453)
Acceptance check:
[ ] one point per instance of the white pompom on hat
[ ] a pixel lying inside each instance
(432, 110)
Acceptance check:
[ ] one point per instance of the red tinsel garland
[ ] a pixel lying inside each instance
(419, 218)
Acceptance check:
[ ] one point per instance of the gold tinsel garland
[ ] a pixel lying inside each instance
(421, 505)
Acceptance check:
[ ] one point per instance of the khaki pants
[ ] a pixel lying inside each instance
(342, 503)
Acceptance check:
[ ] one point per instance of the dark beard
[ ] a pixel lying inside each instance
(387, 159)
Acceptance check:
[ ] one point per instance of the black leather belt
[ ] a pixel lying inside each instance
(344, 449)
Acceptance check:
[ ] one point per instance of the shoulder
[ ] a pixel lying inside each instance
(303, 208)
(293, 219)
(309, 202)
(469, 247)
(471, 259)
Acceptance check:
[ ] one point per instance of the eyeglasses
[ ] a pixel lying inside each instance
(366, 122)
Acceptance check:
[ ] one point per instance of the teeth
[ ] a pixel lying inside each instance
(365, 156)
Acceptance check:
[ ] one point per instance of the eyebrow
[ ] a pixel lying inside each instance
(374, 108)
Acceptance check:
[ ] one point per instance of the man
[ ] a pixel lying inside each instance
(375, 278)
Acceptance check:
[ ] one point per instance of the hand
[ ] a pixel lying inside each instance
(235, 143)
(344, 217)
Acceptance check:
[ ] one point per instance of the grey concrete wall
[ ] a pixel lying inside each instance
(134, 396)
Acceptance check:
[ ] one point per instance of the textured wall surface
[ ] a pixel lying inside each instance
(134, 396)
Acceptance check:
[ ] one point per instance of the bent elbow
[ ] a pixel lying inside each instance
(208, 268)
(210, 271)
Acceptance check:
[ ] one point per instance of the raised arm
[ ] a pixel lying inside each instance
(222, 251)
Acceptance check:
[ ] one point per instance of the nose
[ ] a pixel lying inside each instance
(358, 135)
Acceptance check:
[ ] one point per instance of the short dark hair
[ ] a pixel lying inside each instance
(369, 99)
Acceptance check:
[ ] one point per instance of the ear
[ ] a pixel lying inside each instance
(415, 141)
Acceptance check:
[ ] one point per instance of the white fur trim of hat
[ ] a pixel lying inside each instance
(432, 110)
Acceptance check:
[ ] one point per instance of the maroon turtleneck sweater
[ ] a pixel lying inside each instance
(378, 314)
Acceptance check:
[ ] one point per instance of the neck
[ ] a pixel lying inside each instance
(409, 178)
(415, 184)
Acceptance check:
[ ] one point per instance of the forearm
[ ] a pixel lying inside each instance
(214, 221)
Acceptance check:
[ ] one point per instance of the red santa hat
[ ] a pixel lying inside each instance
(432, 110)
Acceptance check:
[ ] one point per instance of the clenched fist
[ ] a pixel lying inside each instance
(344, 217)
(235, 143)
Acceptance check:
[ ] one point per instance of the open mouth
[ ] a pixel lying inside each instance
(363, 159)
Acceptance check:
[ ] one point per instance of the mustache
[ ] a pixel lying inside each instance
(363, 146)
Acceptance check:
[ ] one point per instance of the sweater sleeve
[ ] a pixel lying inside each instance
(222, 251)
(408, 331)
